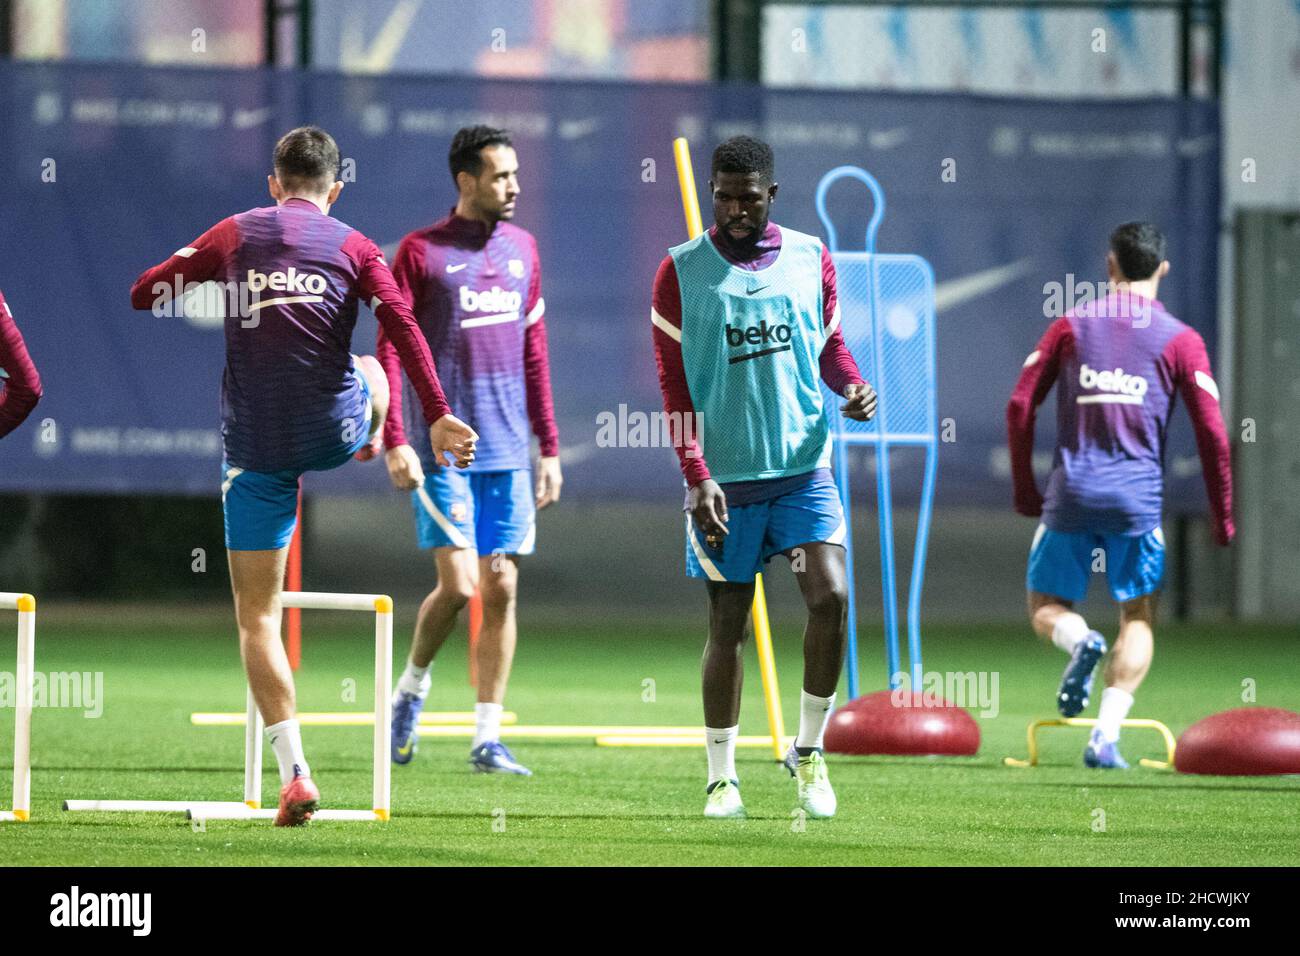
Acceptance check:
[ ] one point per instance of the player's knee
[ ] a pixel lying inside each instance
(828, 601)
(256, 623)
(457, 589)
(1141, 609)
(376, 379)
(499, 590)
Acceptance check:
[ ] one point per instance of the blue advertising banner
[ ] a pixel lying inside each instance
(108, 170)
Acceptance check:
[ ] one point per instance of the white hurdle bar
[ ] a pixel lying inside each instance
(25, 676)
(255, 730)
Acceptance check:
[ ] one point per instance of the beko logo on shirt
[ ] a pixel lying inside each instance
(495, 299)
(761, 334)
(303, 283)
(1116, 386)
(772, 338)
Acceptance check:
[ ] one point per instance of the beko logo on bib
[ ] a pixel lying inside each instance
(495, 299)
(303, 283)
(1115, 382)
(761, 334)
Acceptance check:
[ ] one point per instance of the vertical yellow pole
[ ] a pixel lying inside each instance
(762, 628)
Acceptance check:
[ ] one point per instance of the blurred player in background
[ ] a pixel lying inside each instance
(1120, 362)
(20, 384)
(293, 397)
(474, 282)
(745, 322)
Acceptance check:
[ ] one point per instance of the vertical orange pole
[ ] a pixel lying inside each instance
(293, 582)
(475, 624)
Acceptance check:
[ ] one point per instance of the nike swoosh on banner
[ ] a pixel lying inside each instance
(452, 268)
(954, 292)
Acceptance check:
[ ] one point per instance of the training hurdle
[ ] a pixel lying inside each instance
(1136, 722)
(24, 678)
(351, 718)
(254, 732)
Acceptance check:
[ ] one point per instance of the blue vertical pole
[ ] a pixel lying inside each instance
(843, 480)
(918, 564)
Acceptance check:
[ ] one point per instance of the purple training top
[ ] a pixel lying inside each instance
(1118, 363)
(475, 290)
(289, 395)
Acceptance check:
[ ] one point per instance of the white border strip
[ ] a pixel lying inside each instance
(449, 529)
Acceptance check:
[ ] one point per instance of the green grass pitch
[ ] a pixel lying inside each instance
(590, 805)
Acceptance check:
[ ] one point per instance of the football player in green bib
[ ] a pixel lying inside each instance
(745, 324)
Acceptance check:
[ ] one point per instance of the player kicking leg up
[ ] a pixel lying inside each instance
(746, 322)
(1118, 363)
(474, 282)
(293, 398)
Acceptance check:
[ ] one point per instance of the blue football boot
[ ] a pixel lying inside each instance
(1076, 682)
(1102, 754)
(494, 757)
(406, 717)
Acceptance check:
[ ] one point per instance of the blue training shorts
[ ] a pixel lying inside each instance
(493, 512)
(1061, 563)
(261, 507)
(808, 515)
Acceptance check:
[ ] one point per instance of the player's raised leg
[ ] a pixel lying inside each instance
(1055, 620)
(1059, 565)
(457, 581)
(822, 575)
(722, 674)
(498, 588)
(1125, 670)
(257, 579)
(376, 380)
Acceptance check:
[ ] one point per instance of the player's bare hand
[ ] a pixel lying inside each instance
(708, 504)
(549, 481)
(861, 404)
(404, 469)
(450, 436)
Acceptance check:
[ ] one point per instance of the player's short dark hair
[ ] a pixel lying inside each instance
(468, 144)
(306, 157)
(744, 155)
(1139, 249)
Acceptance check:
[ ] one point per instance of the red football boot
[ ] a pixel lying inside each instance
(369, 450)
(298, 801)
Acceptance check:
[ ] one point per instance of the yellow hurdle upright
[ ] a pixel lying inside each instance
(762, 629)
(1031, 739)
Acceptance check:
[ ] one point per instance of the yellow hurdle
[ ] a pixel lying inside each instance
(762, 629)
(571, 731)
(681, 740)
(1136, 722)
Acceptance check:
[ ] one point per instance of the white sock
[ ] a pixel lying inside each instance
(721, 748)
(1115, 704)
(286, 741)
(415, 680)
(487, 723)
(1070, 629)
(814, 714)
